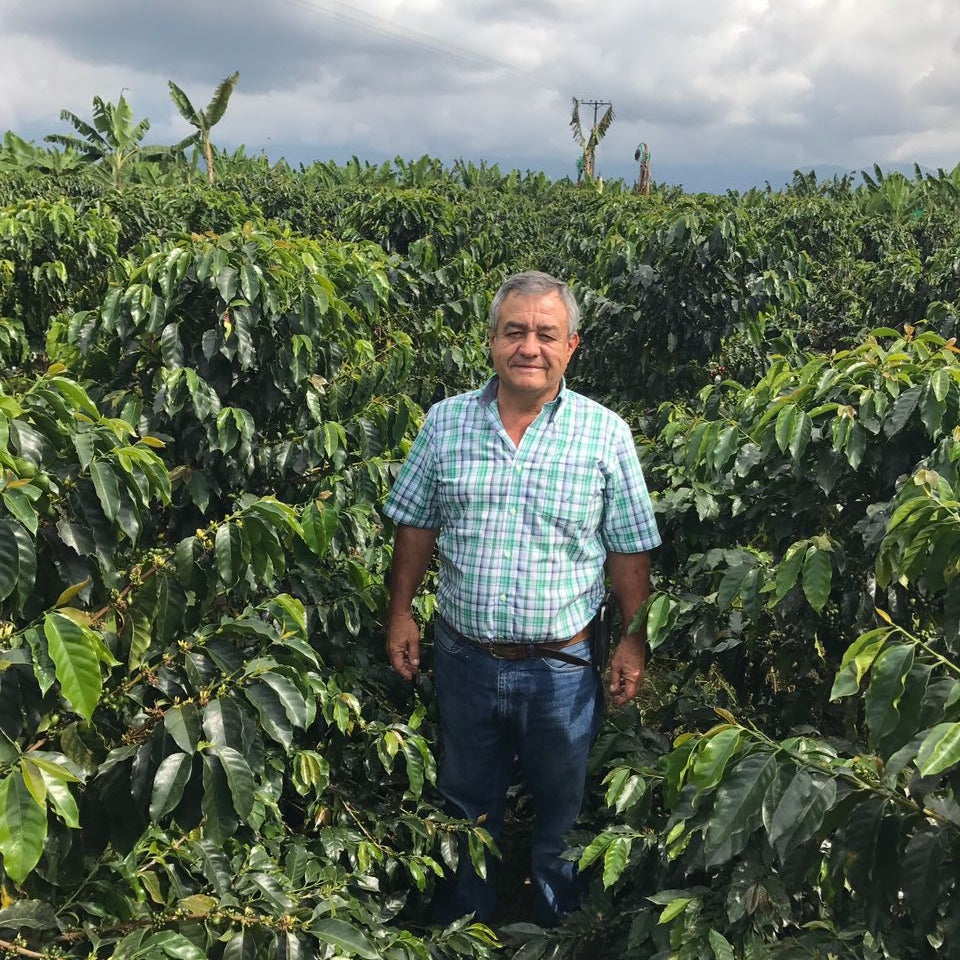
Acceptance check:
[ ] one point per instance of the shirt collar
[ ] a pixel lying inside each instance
(488, 394)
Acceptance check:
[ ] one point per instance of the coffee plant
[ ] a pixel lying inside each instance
(204, 395)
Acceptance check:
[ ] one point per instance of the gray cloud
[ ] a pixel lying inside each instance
(747, 84)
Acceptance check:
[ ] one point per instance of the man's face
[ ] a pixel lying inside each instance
(530, 348)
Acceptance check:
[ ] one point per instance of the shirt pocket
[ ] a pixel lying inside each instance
(470, 494)
(570, 496)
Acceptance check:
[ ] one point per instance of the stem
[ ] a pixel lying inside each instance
(145, 575)
(9, 947)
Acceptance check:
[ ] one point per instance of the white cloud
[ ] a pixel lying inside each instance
(744, 83)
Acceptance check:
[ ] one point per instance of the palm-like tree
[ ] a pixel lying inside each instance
(642, 156)
(205, 119)
(113, 141)
(588, 143)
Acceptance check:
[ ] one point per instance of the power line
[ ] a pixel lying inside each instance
(359, 19)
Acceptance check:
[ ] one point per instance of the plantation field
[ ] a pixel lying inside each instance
(205, 390)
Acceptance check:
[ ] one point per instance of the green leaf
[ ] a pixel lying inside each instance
(674, 908)
(940, 749)
(20, 505)
(182, 723)
(273, 717)
(414, 766)
(345, 936)
(320, 521)
(737, 810)
(817, 577)
(615, 859)
(730, 584)
(901, 410)
(222, 723)
(244, 324)
(217, 106)
(239, 779)
(712, 758)
(138, 623)
(28, 564)
(229, 552)
(720, 945)
(856, 445)
(273, 892)
(788, 571)
(888, 679)
(801, 810)
(32, 914)
(23, 828)
(786, 420)
(61, 798)
(249, 282)
(923, 878)
(940, 383)
(9, 560)
(216, 804)
(77, 396)
(293, 702)
(658, 618)
(595, 849)
(72, 591)
(227, 283)
(931, 410)
(857, 661)
(198, 904)
(107, 487)
(170, 780)
(631, 791)
(800, 434)
(74, 654)
(174, 945)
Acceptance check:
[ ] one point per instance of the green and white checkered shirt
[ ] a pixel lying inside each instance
(524, 531)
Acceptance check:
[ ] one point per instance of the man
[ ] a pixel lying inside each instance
(526, 488)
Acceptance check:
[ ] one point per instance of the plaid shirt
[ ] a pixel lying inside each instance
(524, 531)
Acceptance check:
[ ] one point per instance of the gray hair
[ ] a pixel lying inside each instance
(532, 283)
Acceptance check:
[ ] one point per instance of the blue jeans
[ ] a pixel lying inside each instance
(541, 710)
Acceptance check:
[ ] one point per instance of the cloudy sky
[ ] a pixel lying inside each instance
(727, 93)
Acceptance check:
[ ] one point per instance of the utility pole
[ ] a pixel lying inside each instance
(589, 142)
(596, 104)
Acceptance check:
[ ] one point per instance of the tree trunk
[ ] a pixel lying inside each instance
(208, 157)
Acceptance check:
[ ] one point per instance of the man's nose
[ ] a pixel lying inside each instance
(530, 344)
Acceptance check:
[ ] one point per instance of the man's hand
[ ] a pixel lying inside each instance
(412, 550)
(630, 582)
(626, 670)
(403, 645)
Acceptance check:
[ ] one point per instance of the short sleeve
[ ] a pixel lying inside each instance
(629, 525)
(413, 497)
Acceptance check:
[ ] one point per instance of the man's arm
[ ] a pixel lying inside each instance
(630, 581)
(412, 550)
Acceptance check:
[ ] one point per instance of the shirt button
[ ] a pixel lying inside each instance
(513, 511)
(506, 553)
(503, 596)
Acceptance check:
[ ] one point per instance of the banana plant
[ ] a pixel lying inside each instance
(588, 143)
(204, 120)
(113, 141)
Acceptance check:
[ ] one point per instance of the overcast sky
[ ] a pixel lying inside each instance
(727, 93)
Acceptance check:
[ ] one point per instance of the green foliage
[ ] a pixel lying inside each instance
(113, 142)
(205, 394)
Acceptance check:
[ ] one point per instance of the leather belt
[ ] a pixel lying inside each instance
(524, 651)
